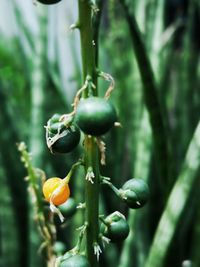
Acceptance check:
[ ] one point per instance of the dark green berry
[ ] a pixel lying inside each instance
(48, 2)
(135, 193)
(61, 138)
(68, 142)
(68, 209)
(115, 227)
(57, 126)
(95, 116)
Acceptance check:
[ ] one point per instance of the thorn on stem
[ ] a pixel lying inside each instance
(74, 26)
(81, 206)
(90, 175)
(105, 240)
(102, 149)
(97, 250)
(117, 124)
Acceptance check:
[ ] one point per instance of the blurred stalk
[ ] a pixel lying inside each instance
(37, 137)
(127, 89)
(38, 82)
(195, 244)
(9, 243)
(14, 175)
(22, 25)
(142, 170)
(45, 224)
(186, 79)
(156, 39)
(171, 215)
(136, 239)
(151, 98)
(134, 248)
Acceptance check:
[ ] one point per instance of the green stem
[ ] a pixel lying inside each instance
(87, 46)
(92, 200)
(114, 189)
(91, 149)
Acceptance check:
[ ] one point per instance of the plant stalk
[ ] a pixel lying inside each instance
(91, 149)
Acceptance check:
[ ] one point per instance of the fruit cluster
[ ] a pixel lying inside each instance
(94, 116)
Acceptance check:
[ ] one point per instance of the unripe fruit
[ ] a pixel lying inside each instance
(95, 116)
(75, 261)
(66, 137)
(68, 208)
(135, 193)
(48, 2)
(115, 227)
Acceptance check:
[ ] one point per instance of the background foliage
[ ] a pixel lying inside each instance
(157, 95)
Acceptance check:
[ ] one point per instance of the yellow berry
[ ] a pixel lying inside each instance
(56, 191)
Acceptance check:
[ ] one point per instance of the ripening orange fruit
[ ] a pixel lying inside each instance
(55, 190)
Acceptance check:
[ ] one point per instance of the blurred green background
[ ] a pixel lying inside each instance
(158, 106)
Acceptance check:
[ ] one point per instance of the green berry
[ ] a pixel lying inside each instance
(48, 2)
(68, 142)
(68, 209)
(135, 193)
(95, 116)
(115, 227)
(68, 135)
(75, 261)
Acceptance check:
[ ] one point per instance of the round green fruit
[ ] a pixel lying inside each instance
(48, 2)
(115, 227)
(135, 193)
(75, 261)
(68, 142)
(95, 116)
(68, 209)
(59, 248)
(67, 136)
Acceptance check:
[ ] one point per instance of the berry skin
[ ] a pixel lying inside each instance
(135, 193)
(48, 2)
(68, 209)
(115, 227)
(75, 261)
(67, 136)
(95, 116)
(59, 248)
(68, 142)
(55, 190)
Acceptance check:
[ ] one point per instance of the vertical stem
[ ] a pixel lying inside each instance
(37, 115)
(91, 150)
(92, 200)
(87, 46)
